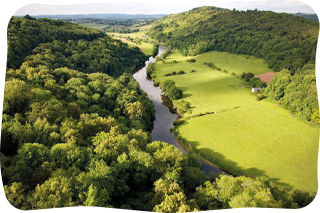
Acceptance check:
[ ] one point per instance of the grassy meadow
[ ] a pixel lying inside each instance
(245, 136)
(146, 47)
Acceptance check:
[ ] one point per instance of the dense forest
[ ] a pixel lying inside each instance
(287, 42)
(76, 132)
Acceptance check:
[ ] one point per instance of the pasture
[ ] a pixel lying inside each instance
(95, 25)
(244, 136)
(137, 39)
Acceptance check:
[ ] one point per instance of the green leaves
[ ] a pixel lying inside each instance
(171, 90)
(16, 195)
(16, 97)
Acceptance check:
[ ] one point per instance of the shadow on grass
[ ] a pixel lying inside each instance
(218, 160)
(186, 95)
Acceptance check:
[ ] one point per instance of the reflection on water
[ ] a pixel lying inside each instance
(164, 118)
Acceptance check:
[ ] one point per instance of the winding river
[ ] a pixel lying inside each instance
(164, 118)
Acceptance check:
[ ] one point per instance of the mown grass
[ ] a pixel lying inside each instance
(245, 136)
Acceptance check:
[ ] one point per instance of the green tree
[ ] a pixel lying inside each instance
(16, 195)
(16, 97)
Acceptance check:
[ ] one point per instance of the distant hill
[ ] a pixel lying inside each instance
(311, 16)
(102, 16)
(283, 40)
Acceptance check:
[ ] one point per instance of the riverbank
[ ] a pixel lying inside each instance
(164, 115)
(243, 136)
(139, 39)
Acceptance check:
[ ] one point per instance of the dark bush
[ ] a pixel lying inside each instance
(192, 60)
(247, 76)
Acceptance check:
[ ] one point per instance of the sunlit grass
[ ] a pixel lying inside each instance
(146, 47)
(245, 135)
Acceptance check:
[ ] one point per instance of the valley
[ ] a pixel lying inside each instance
(205, 109)
(244, 136)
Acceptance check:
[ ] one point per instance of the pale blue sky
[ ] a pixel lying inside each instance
(162, 7)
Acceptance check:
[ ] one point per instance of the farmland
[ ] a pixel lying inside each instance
(244, 136)
(137, 38)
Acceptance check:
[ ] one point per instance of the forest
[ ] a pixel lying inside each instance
(287, 42)
(76, 132)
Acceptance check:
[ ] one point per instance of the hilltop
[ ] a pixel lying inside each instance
(283, 40)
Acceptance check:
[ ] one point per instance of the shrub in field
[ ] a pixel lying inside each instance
(246, 76)
(192, 60)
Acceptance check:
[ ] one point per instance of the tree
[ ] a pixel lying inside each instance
(32, 166)
(16, 97)
(315, 117)
(170, 198)
(67, 155)
(54, 193)
(16, 195)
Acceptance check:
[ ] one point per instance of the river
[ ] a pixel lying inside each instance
(164, 118)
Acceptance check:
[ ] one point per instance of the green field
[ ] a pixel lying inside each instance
(95, 25)
(244, 136)
(146, 47)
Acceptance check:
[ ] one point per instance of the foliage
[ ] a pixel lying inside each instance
(150, 69)
(283, 40)
(246, 76)
(182, 106)
(239, 192)
(254, 82)
(297, 93)
(171, 90)
(155, 49)
(67, 45)
(16, 195)
(192, 60)
(16, 98)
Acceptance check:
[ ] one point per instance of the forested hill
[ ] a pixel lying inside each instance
(68, 45)
(283, 40)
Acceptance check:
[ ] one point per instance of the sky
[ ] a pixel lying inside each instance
(159, 7)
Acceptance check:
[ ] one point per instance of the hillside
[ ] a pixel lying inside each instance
(287, 42)
(283, 40)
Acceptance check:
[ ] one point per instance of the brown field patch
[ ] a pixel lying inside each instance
(266, 77)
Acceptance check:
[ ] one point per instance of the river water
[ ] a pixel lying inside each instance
(164, 118)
